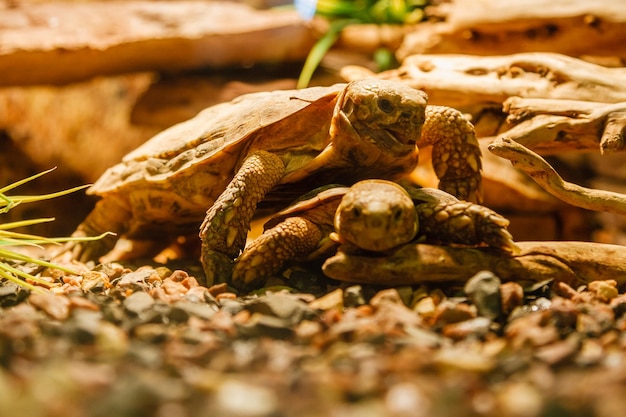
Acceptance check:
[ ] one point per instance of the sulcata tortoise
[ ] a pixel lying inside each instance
(372, 215)
(271, 146)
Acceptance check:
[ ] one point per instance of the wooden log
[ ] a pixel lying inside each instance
(60, 42)
(552, 126)
(464, 80)
(491, 27)
(539, 170)
(571, 262)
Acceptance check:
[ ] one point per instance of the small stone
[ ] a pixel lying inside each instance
(390, 295)
(138, 279)
(238, 398)
(111, 340)
(151, 332)
(464, 359)
(453, 312)
(12, 294)
(353, 296)
(559, 351)
(260, 325)
(520, 399)
(138, 302)
(476, 327)
(407, 399)
(56, 306)
(202, 310)
(95, 281)
(425, 307)
(512, 296)
(282, 306)
(308, 329)
(591, 353)
(332, 300)
(483, 289)
(604, 290)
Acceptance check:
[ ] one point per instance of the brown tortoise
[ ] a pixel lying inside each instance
(265, 146)
(374, 216)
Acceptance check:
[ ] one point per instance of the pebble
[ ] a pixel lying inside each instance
(476, 327)
(332, 300)
(483, 290)
(353, 296)
(512, 297)
(282, 306)
(407, 399)
(56, 306)
(242, 399)
(185, 308)
(138, 302)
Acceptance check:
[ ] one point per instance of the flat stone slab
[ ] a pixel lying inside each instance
(58, 43)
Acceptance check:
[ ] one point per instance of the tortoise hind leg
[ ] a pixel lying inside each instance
(225, 227)
(292, 238)
(456, 152)
(109, 215)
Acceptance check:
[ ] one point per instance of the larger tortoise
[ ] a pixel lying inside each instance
(231, 155)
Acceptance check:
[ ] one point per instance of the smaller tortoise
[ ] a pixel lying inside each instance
(372, 215)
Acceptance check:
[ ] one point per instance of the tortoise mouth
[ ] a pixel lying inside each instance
(400, 136)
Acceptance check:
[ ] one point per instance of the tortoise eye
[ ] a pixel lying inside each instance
(385, 105)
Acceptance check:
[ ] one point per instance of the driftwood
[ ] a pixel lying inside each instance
(540, 171)
(462, 80)
(571, 262)
(60, 42)
(488, 27)
(554, 126)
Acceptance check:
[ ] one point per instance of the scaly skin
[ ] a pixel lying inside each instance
(223, 232)
(456, 153)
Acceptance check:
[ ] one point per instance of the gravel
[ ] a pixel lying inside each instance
(152, 341)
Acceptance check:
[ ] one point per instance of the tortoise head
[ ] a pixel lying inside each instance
(386, 114)
(376, 215)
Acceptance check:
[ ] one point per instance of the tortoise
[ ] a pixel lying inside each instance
(267, 146)
(374, 216)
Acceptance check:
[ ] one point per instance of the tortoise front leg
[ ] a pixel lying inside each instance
(225, 227)
(292, 238)
(456, 153)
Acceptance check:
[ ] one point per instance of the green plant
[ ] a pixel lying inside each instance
(10, 238)
(342, 13)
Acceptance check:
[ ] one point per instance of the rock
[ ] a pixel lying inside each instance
(202, 310)
(263, 325)
(166, 36)
(353, 296)
(483, 289)
(138, 302)
(238, 398)
(282, 306)
(476, 327)
(56, 306)
(512, 296)
(11, 294)
(390, 295)
(604, 290)
(332, 300)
